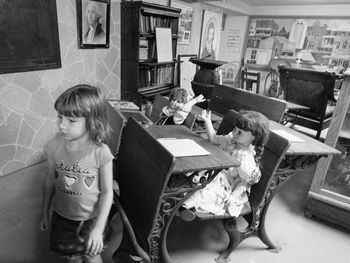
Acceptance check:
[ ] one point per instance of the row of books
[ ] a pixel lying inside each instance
(148, 49)
(149, 23)
(160, 75)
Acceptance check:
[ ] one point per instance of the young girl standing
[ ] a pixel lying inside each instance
(78, 187)
(180, 104)
(230, 188)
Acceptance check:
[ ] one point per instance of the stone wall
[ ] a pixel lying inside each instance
(27, 116)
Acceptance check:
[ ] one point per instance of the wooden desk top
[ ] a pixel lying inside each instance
(218, 159)
(309, 146)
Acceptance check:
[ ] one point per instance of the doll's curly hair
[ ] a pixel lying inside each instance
(179, 94)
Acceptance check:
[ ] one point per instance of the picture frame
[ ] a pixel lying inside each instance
(187, 70)
(93, 14)
(23, 47)
(185, 23)
(210, 35)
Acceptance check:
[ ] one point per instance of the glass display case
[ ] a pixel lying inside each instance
(329, 195)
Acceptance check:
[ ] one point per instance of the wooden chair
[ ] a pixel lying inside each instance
(260, 197)
(159, 103)
(312, 89)
(225, 98)
(249, 80)
(141, 177)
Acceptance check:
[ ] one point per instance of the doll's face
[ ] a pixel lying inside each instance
(176, 104)
(242, 137)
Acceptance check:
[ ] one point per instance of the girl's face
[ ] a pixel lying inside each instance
(72, 128)
(242, 137)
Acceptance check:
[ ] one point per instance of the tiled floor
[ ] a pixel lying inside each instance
(303, 240)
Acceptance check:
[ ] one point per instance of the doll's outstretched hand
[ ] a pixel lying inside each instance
(199, 98)
(206, 115)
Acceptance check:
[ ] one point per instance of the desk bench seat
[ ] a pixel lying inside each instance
(260, 197)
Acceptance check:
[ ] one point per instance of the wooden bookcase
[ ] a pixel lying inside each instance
(142, 77)
(329, 194)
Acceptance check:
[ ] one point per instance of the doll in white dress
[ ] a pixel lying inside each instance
(230, 188)
(180, 105)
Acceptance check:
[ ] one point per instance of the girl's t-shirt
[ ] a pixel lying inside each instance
(77, 177)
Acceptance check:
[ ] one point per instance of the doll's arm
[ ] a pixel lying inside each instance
(188, 106)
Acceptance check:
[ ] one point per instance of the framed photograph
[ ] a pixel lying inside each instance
(210, 35)
(185, 23)
(93, 23)
(187, 70)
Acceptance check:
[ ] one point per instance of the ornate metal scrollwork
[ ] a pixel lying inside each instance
(179, 186)
(292, 164)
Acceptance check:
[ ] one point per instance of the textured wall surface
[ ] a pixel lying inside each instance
(27, 117)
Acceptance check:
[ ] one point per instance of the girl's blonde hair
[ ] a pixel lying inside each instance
(86, 101)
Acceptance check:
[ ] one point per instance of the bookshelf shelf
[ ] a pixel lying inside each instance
(141, 75)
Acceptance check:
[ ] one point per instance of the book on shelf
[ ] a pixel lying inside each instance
(148, 23)
(164, 44)
(158, 75)
(143, 53)
(144, 43)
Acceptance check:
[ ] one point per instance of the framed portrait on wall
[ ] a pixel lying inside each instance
(93, 23)
(210, 35)
(185, 23)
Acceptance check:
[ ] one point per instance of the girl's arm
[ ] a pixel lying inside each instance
(95, 241)
(49, 191)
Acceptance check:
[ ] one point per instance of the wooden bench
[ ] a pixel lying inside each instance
(225, 98)
(260, 197)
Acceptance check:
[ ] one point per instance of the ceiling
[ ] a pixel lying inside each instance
(285, 2)
(283, 7)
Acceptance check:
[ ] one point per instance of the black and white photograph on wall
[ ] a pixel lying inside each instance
(93, 23)
(210, 35)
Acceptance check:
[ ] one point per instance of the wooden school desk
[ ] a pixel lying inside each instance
(152, 199)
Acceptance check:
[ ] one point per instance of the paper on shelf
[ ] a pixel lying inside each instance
(290, 137)
(183, 147)
(164, 44)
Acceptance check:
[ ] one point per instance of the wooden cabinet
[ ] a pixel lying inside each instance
(142, 76)
(329, 195)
